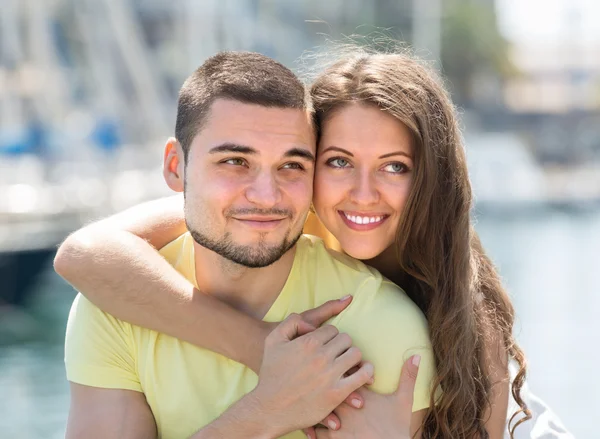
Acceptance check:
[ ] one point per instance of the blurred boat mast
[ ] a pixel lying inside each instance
(427, 29)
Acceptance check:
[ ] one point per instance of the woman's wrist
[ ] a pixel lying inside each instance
(256, 347)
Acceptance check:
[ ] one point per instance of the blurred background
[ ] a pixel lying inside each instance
(87, 97)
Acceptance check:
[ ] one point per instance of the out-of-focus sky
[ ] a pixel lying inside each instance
(539, 21)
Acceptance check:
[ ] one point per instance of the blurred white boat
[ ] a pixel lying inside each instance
(506, 177)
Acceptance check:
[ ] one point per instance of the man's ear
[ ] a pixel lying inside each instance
(174, 165)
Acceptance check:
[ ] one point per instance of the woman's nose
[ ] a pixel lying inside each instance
(364, 191)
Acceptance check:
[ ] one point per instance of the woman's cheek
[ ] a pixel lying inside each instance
(330, 188)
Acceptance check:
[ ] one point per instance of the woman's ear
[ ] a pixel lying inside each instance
(174, 165)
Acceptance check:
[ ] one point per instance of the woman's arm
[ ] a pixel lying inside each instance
(115, 264)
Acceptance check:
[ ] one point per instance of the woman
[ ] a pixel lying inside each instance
(391, 185)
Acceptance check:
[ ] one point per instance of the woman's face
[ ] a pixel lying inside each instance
(363, 178)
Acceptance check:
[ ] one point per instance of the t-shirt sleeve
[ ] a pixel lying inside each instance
(99, 349)
(389, 328)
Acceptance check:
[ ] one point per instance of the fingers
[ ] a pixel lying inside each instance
(332, 421)
(363, 376)
(322, 335)
(304, 327)
(355, 400)
(321, 314)
(338, 345)
(310, 432)
(290, 328)
(408, 378)
(297, 325)
(346, 361)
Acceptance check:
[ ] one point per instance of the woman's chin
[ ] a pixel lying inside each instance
(362, 253)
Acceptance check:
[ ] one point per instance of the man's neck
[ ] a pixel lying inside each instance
(250, 290)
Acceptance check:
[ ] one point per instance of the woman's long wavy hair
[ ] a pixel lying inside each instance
(445, 268)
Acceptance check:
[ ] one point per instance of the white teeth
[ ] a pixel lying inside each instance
(363, 219)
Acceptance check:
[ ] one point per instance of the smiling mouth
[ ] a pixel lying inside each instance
(364, 219)
(362, 223)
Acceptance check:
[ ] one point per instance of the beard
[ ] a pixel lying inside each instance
(251, 256)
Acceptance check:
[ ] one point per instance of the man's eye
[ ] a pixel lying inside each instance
(395, 168)
(235, 162)
(338, 162)
(293, 165)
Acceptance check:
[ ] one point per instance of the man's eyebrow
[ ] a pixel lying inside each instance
(232, 147)
(300, 152)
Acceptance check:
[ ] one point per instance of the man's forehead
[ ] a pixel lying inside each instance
(231, 111)
(238, 122)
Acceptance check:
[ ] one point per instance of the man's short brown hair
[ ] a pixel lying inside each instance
(247, 77)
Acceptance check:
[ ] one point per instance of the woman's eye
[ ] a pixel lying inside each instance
(235, 162)
(395, 168)
(338, 163)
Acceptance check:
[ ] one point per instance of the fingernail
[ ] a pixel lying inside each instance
(416, 359)
(346, 297)
(332, 424)
(308, 436)
(356, 403)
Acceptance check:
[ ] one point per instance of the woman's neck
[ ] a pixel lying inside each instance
(386, 263)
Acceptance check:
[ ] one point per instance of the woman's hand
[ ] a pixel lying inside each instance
(304, 377)
(383, 416)
(312, 319)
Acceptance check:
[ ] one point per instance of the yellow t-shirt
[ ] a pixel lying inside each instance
(187, 387)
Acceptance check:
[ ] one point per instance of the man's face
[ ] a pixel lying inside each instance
(248, 181)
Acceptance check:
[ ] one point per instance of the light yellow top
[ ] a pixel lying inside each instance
(187, 387)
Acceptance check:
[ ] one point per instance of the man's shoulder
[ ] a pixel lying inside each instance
(342, 274)
(84, 314)
(174, 250)
(179, 253)
(315, 248)
(99, 348)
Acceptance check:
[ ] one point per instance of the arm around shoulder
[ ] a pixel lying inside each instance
(244, 420)
(114, 261)
(115, 264)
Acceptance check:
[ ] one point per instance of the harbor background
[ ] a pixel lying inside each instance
(87, 98)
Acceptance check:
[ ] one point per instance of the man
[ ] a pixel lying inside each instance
(244, 156)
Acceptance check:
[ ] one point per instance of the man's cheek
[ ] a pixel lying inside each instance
(219, 188)
(300, 193)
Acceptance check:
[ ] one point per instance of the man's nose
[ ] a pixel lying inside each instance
(264, 191)
(364, 190)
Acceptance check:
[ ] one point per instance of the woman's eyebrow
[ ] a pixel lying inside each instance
(338, 149)
(335, 148)
(395, 153)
